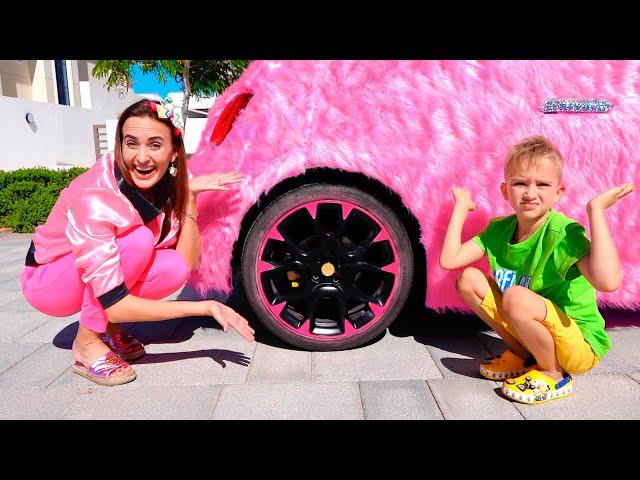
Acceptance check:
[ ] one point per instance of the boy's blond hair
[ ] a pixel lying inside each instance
(530, 152)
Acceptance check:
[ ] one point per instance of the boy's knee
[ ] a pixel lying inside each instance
(516, 300)
(468, 279)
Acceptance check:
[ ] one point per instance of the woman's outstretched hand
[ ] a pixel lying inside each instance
(228, 317)
(214, 181)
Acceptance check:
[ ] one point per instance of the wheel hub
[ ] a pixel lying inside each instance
(328, 275)
(328, 269)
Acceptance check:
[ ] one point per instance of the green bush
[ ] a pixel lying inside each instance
(28, 195)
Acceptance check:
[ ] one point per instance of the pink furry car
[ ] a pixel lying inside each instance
(349, 167)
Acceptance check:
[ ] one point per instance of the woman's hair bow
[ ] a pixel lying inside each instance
(165, 110)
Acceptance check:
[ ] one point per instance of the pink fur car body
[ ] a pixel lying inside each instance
(419, 127)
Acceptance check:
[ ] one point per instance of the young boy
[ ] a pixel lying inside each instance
(542, 297)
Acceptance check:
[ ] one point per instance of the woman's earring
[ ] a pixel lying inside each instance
(172, 169)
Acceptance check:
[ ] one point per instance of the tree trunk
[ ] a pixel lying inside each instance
(187, 92)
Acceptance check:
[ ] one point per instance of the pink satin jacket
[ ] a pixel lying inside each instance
(91, 212)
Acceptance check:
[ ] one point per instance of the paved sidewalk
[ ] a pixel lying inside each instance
(423, 367)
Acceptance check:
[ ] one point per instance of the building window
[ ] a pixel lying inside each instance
(61, 81)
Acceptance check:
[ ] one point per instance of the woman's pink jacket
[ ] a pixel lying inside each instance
(96, 208)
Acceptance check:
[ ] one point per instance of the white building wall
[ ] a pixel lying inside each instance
(24, 146)
(61, 135)
(43, 84)
(192, 134)
(85, 94)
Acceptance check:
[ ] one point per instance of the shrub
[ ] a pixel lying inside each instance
(28, 195)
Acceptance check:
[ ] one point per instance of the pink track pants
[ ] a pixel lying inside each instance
(57, 288)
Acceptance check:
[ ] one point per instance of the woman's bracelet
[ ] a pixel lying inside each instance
(192, 216)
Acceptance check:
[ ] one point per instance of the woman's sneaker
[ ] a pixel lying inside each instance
(536, 387)
(506, 365)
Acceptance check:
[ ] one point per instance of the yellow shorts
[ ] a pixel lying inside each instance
(573, 351)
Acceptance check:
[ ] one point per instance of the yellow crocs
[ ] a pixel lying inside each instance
(506, 365)
(535, 387)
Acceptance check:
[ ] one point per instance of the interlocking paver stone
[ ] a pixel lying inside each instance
(457, 356)
(472, 399)
(626, 343)
(39, 369)
(38, 403)
(18, 324)
(279, 365)
(134, 401)
(612, 363)
(305, 401)
(399, 400)
(391, 358)
(12, 353)
(56, 330)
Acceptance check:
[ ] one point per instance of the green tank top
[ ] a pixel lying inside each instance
(546, 264)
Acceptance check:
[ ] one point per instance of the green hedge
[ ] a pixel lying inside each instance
(28, 195)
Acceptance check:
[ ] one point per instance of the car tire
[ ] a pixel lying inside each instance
(327, 267)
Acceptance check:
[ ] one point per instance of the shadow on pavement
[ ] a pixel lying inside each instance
(458, 333)
(218, 356)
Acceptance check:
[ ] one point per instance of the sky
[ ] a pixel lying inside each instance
(147, 83)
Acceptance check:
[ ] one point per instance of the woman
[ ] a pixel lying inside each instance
(120, 237)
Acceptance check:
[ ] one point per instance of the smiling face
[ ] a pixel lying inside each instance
(532, 188)
(147, 150)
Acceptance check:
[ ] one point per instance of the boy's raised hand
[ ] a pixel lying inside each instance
(610, 197)
(462, 197)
